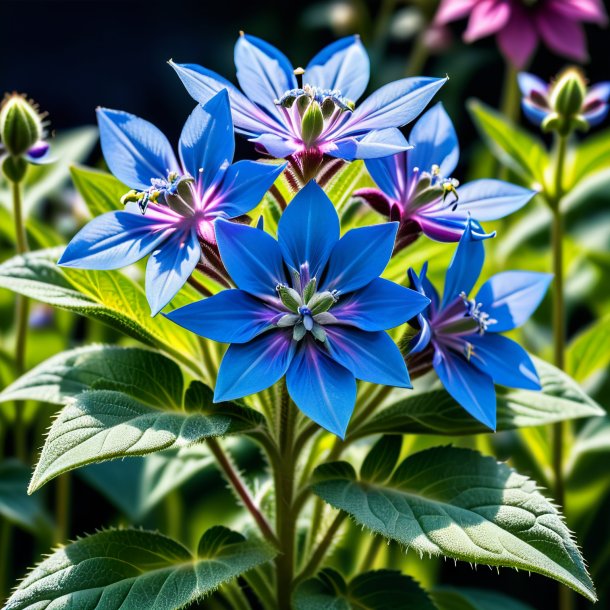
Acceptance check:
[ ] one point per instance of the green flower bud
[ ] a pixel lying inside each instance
(20, 125)
(312, 123)
(321, 302)
(14, 168)
(309, 290)
(289, 297)
(569, 93)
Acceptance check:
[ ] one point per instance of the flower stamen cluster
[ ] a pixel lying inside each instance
(474, 310)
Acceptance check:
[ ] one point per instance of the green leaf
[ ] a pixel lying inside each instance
(103, 425)
(107, 296)
(457, 503)
(377, 590)
(435, 412)
(134, 569)
(588, 352)
(15, 505)
(513, 146)
(101, 191)
(381, 460)
(452, 598)
(140, 373)
(350, 177)
(592, 156)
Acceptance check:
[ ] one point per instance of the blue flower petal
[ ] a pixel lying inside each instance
(380, 305)
(370, 356)
(465, 266)
(505, 361)
(134, 149)
(529, 83)
(243, 186)
(491, 199)
(170, 266)
(207, 143)
(511, 297)
(597, 98)
(308, 229)
(231, 316)
(470, 387)
(389, 173)
(424, 286)
(393, 105)
(248, 368)
(252, 258)
(342, 65)
(375, 144)
(533, 112)
(359, 257)
(114, 240)
(422, 339)
(278, 146)
(322, 389)
(264, 73)
(435, 142)
(448, 226)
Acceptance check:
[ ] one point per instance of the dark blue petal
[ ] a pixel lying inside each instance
(342, 65)
(308, 229)
(375, 144)
(170, 266)
(114, 240)
(134, 149)
(423, 285)
(264, 73)
(380, 305)
(469, 387)
(243, 186)
(422, 339)
(251, 256)
(203, 84)
(359, 257)
(491, 199)
(435, 142)
(322, 389)
(511, 297)
(372, 357)
(505, 361)
(390, 174)
(393, 105)
(248, 368)
(207, 143)
(231, 316)
(465, 267)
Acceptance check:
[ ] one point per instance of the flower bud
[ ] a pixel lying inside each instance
(312, 123)
(289, 297)
(20, 125)
(569, 93)
(14, 168)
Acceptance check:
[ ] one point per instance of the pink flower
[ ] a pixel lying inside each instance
(519, 24)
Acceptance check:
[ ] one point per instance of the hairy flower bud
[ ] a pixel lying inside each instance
(312, 123)
(569, 93)
(20, 125)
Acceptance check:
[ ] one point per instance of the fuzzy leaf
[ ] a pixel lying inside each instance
(101, 191)
(381, 460)
(134, 569)
(588, 353)
(457, 503)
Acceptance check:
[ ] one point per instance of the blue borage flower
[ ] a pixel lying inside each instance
(416, 187)
(277, 113)
(462, 336)
(171, 210)
(309, 306)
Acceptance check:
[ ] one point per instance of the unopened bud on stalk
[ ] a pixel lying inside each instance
(20, 125)
(569, 92)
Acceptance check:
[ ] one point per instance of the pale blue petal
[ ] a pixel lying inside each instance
(170, 266)
(375, 144)
(533, 112)
(389, 173)
(491, 199)
(597, 98)
(370, 356)
(529, 83)
(278, 146)
(359, 257)
(134, 149)
(472, 389)
(231, 316)
(248, 368)
(252, 258)
(308, 229)
(322, 389)
(342, 65)
(511, 297)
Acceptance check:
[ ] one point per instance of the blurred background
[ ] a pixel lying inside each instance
(74, 55)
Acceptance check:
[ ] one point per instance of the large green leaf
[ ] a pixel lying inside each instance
(457, 503)
(588, 353)
(108, 296)
(133, 569)
(15, 504)
(452, 598)
(513, 146)
(141, 373)
(101, 191)
(435, 412)
(377, 590)
(103, 425)
(592, 155)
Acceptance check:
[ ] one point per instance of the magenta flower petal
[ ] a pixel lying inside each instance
(452, 10)
(518, 39)
(563, 35)
(488, 17)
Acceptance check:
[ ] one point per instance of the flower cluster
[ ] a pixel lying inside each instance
(311, 305)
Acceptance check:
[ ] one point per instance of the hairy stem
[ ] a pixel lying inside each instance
(62, 508)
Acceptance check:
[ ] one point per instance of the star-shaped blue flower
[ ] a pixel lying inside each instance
(462, 335)
(310, 306)
(416, 187)
(171, 210)
(318, 116)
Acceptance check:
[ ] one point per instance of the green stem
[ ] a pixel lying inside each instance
(258, 581)
(62, 508)
(371, 554)
(242, 491)
(419, 56)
